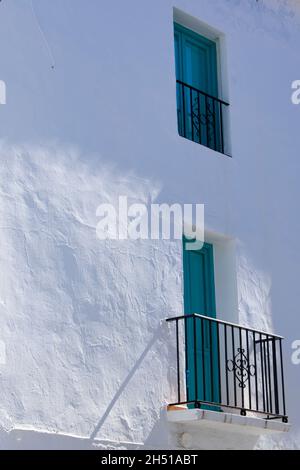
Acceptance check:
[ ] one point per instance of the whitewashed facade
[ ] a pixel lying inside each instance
(90, 114)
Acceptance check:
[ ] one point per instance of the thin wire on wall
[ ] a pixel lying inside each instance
(43, 35)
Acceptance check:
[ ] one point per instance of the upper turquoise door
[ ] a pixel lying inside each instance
(202, 364)
(196, 66)
(196, 60)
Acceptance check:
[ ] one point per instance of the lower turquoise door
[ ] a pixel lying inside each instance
(202, 358)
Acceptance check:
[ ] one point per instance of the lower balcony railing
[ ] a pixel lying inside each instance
(220, 365)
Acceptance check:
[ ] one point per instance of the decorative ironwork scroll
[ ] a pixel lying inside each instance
(241, 368)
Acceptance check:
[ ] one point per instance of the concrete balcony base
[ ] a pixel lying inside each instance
(204, 429)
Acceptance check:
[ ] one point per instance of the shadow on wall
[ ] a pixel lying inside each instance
(159, 437)
(157, 334)
(49, 197)
(18, 438)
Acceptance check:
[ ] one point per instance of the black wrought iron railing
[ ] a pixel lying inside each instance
(201, 117)
(221, 365)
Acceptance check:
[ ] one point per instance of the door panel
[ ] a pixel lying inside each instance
(196, 60)
(196, 65)
(201, 335)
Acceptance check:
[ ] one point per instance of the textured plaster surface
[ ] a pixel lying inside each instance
(86, 359)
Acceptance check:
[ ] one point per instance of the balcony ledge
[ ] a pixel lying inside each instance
(204, 429)
(250, 424)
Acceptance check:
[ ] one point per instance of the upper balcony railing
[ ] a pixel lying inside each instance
(220, 365)
(201, 117)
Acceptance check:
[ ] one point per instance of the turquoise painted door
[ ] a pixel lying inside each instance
(202, 361)
(196, 65)
(196, 60)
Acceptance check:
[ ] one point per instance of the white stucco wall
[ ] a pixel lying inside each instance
(86, 355)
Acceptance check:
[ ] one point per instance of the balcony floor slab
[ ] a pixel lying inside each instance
(205, 429)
